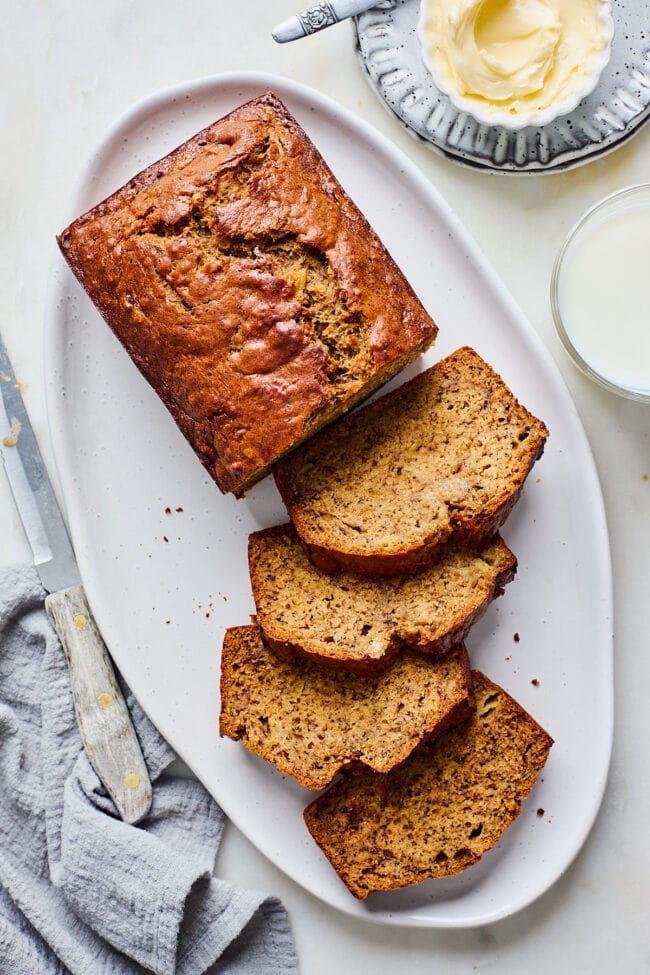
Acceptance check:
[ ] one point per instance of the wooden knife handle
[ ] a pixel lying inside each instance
(104, 721)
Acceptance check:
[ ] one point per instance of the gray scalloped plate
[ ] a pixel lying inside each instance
(389, 49)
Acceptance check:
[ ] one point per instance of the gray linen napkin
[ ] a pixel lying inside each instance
(80, 890)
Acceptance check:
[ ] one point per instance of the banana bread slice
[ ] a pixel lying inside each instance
(248, 289)
(444, 456)
(440, 811)
(311, 722)
(359, 624)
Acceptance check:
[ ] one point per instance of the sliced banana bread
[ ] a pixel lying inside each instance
(359, 624)
(311, 722)
(441, 810)
(445, 455)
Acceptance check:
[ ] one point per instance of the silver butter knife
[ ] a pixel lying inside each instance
(104, 721)
(318, 17)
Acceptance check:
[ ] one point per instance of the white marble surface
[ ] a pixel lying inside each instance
(68, 70)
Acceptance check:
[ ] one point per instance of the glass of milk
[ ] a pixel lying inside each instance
(600, 293)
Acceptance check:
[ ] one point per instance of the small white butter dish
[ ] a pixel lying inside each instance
(515, 64)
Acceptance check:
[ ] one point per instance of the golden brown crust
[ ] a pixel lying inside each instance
(442, 809)
(358, 624)
(248, 289)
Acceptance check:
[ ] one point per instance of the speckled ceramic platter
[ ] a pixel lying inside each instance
(163, 554)
(389, 49)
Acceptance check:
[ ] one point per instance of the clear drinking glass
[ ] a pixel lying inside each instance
(600, 293)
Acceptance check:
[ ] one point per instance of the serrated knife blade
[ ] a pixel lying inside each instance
(104, 721)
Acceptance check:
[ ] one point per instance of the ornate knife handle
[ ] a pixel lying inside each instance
(319, 16)
(316, 18)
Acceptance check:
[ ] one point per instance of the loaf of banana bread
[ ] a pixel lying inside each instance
(248, 288)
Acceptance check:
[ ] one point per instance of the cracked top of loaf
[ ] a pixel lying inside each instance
(249, 290)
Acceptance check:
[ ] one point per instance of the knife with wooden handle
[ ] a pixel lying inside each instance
(104, 722)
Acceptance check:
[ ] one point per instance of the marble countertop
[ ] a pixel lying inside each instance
(69, 70)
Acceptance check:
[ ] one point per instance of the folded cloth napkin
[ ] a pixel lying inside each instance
(80, 890)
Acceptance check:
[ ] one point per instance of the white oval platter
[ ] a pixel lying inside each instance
(163, 554)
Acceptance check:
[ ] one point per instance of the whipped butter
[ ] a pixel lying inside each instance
(516, 62)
